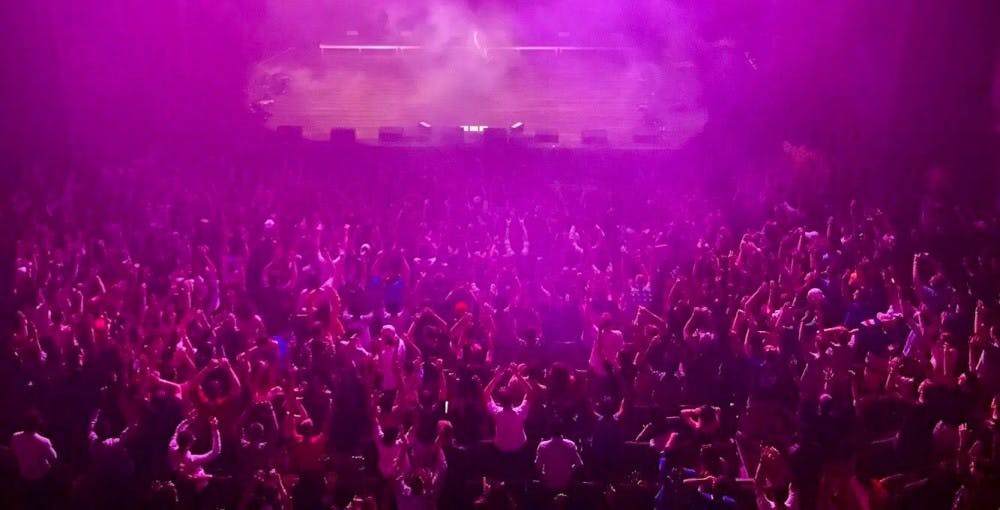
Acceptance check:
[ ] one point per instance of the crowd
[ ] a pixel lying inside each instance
(421, 331)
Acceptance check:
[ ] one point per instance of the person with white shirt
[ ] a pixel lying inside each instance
(556, 460)
(509, 420)
(188, 464)
(608, 344)
(391, 353)
(35, 457)
(389, 447)
(510, 439)
(421, 471)
(414, 491)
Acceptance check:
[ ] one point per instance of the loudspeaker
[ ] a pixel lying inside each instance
(594, 136)
(494, 135)
(343, 135)
(423, 134)
(547, 136)
(646, 138)
(452, 135)
(289, 132)
(518, 138)
(390, 134)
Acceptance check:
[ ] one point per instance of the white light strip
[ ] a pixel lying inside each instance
(381, 47)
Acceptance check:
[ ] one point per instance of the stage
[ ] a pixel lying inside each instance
(567, 89)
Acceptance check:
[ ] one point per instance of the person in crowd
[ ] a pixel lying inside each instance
(35, 459)
(114, 468)
(190, 466)
(457, 475)
(510, 440)
(556, 460)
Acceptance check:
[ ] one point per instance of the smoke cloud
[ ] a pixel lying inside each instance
(466, 72)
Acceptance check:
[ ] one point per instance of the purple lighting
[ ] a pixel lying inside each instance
(500, 254)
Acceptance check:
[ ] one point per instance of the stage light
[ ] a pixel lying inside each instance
(517, 127)
(424, 131)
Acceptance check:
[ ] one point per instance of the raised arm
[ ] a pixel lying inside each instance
(979, 319)
(915, 269)
(491, 386)
(435, 317)
(689, 415)
(216, 445)
(459, 327)
(508, 250)
(643, 316)
(93, 426)
(532, 391)
(193, 385)
(699, 314)
(234, 381)
(753, 302)
(672, 296)
(181, 427)
(641, 357)
(739, 320)
(526, 245)
(409, 344)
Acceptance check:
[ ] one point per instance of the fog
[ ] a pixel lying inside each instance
(465, 62)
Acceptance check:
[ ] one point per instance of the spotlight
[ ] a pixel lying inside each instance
(517, 127)
(425, 131)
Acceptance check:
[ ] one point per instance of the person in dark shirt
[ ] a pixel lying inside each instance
(936, 490)
(608, 443)
(455, 487)
(914, 439)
